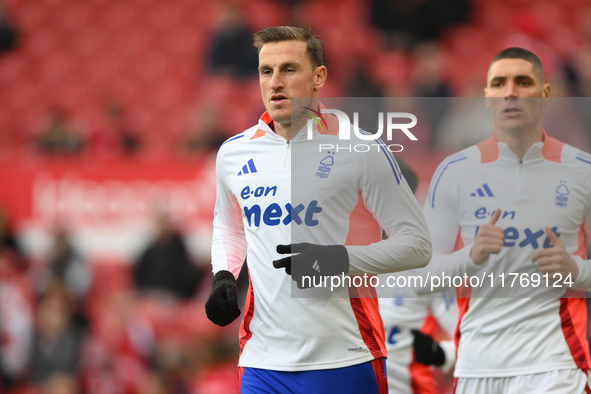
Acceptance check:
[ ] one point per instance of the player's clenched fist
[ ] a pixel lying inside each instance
(556, 260)
(489, 240)
(222, 304)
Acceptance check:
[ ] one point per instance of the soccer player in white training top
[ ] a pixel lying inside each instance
(517, 205)
(305, 345)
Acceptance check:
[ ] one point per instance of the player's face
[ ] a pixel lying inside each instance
(515, 93)
(286, 72)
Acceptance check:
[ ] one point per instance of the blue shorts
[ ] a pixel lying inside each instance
(366, 378)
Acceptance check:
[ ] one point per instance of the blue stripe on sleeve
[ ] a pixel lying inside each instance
(234, 138)
(389, 157)
(581, 158)
(440, 168)
(452, 159)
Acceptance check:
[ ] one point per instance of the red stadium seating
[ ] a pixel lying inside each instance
(149, 54)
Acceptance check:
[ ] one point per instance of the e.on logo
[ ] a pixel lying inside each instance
(345, 129)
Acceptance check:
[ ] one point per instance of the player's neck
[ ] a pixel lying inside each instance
(519, 141)
(289, 130)
(283, 130)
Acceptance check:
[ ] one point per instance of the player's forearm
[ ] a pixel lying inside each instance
(228, 251)
(397, 253)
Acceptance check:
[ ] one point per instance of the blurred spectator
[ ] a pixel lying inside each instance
(66, 267)
(16, 308)
(429, 81)
(406, 22)
(16, 325)
(205, 132)
(114, 358)
(8, 34)
(398, 19)
(155, 383)
(165, 267)
(58, 136)
(56, 347)
(579, 63)
(581, 72)
(466, 122)
(170, 363)
(212, 365)
(567, 117)
(60, 383)
(360, 83)
(117, 134)
(231, 52)
(9, 246)
(428, 75)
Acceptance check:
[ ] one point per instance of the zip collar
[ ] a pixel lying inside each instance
(549, 149)
(329, 122)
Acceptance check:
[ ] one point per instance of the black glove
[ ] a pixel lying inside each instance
(312, 261)
(427, 351)
(222, 304)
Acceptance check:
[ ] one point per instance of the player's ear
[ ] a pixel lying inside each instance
(546, 92)
(320, 74)
(486, 102)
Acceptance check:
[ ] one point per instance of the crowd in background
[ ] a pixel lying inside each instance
(412, 55)
(67, 326)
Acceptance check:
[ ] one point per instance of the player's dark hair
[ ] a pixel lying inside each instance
(520, 53)
(291, 33)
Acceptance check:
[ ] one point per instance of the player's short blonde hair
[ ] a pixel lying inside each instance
(291, 33)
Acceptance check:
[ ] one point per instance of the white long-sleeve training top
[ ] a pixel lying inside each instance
(272, 191)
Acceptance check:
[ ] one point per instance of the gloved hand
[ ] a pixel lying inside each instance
(222, 304)
(312, 261)
(427, 351)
